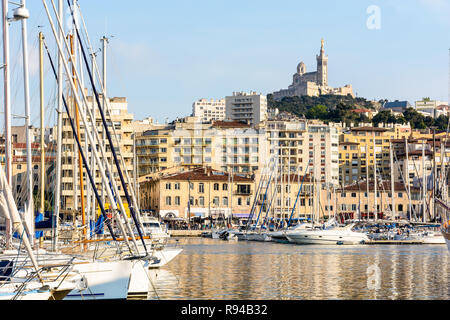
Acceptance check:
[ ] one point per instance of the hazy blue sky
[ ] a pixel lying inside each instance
(166, 54)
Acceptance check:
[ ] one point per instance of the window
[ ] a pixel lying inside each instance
(216, 201)
(201, 187)
(243, 188)
(216, 186)
(239, 201)
(167, 186)
(225, 201)
(224, 187)
(201, 201)
(176, 186)
(177, 200)
(168, 201)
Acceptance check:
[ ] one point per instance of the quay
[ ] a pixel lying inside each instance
(185, 233)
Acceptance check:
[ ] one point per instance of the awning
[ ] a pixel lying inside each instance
(241, 215)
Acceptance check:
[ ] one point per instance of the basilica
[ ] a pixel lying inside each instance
(312, 83)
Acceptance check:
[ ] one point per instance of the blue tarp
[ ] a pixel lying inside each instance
(99, 225)
(39, 217)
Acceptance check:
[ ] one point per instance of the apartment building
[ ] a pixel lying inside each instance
(305, 146)
(209, 110)
(223, 145)
(249, 107)
(198, 192)
(359, 147)
(120, 126)
(354, 202)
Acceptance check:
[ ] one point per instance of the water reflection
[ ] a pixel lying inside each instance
(214, 269)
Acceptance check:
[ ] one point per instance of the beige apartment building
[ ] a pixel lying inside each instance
(360, 146)
(353, 200)
(305, 147)
(198, 192)
(223, 145)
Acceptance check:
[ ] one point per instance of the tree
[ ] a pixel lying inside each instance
(317, 112)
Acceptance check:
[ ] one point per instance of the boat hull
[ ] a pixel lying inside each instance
(326, 238)
(105, 280)
(446, 235)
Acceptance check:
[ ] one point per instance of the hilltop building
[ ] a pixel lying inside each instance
(312, 83)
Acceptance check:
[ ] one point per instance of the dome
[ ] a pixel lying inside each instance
(301, 68)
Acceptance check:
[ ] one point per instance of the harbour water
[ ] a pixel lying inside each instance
(214, 270)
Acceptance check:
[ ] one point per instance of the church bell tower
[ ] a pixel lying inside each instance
(322, 67)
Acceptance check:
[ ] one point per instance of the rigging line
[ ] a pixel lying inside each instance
(124, 186)
(107, 220)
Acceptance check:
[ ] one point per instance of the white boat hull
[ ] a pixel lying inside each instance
(330, 236)
(164, 256)
(435, 239)
(105, 280)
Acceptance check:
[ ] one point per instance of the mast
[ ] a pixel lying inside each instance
(42, 140)
(104, 42)
(407, 178)
(424, 184)
(391, 156)
(434, 176)
(29, 207)
(80, 160)
(375, 209)
(7, 110)
(59, 137)
(367, 179)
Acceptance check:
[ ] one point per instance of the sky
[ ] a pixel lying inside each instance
(164, 55)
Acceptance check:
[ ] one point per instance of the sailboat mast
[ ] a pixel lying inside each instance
(26, 86)
(375, 211)
(80, 160)
(104, 42)
(7, 109)
(407, 177)
(424, 184)
(367, 181)
(59, 137)
(42, 140)
(391, 156)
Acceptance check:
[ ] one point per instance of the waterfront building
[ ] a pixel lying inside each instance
(354, 202)
(197, 192)
(208, 110)
(249, 107)
(312, 83)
